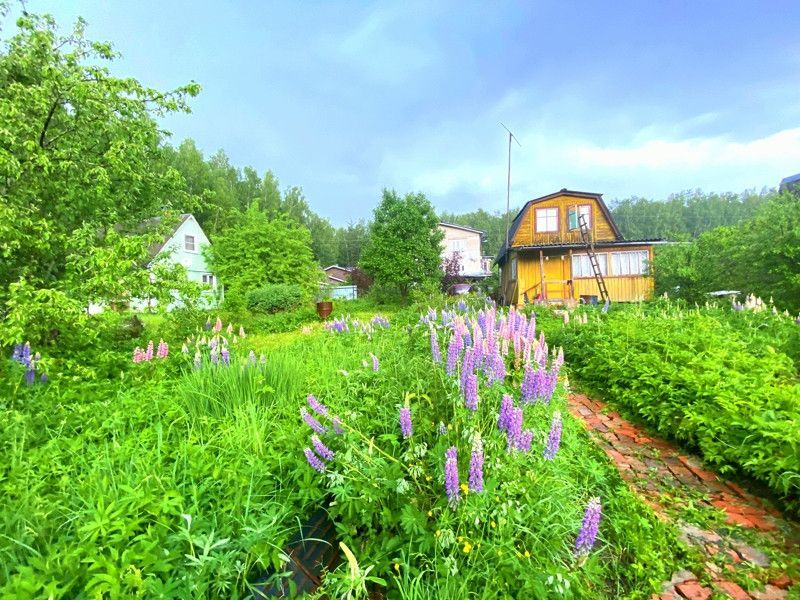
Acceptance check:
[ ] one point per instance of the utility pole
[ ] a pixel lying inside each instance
(508, 197)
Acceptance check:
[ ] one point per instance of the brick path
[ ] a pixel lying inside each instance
(661, 474)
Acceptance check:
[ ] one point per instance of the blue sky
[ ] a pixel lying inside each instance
(345, 98)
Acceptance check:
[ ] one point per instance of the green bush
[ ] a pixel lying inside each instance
(704, 377)
(274, 297)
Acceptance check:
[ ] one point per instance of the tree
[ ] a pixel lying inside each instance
(256, 250)
(80, 154)
(405, 244)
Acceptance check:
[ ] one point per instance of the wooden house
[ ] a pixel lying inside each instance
(549, 256)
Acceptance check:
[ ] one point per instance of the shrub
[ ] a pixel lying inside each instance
(274, 297)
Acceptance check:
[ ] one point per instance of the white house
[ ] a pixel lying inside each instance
(467, 242)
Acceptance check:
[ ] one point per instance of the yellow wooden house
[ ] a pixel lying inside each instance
(548, 259)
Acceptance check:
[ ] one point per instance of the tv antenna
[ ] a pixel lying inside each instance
(511, 136)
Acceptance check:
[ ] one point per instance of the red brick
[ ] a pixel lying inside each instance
(733, 590)
(692, 590)
(770, 592)
(736, 519)
(734, 556)
(761, 523)
(782, 581)
(739, 491)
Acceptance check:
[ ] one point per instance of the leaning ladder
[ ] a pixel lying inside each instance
(598, 274)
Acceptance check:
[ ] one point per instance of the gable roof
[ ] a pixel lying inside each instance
(562, 192)
(156, 248)
(348, 269)
(464, 227)
(789, 182)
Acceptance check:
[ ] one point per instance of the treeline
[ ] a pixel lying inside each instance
(220, 191)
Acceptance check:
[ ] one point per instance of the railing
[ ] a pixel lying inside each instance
(541, 239)
(553, 289)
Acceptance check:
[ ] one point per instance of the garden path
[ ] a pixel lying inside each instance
(738, 538)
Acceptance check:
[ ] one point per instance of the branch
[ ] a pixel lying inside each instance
(47, 121)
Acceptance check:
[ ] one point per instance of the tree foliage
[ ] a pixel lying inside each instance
(257, 250)
(405, 244)
(492, 224)
(79, 156)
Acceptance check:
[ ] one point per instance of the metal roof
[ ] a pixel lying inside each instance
(464, 227)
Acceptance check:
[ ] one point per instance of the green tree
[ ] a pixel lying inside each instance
(404, 246)
(80, 154)
(257, 250)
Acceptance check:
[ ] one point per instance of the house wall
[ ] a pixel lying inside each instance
(194, 262)
(337, 272)
(557, 268)
(471, 252)
(526, 234)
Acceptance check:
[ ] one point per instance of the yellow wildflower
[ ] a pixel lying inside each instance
(465, 488)
(467, 548)
(430, 513)
(438, 533)
(493, 524)
(527, 554)
(397, 567)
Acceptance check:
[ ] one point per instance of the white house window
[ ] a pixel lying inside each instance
(581, 267)
(188, 243)
(546, 220)
(630, 263)
(208, 279)
(457, 245)
(586, 211)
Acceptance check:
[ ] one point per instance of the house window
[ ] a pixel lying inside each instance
(630, 263)
(188, 243)
(546, 220)
(209, 280)
(457, 245)
(581, 267)
(586, 211)
(514, 269)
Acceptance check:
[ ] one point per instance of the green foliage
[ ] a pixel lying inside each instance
(710, 378)
(257, 250)
(80, 155)
(404, 247)
(759, 256)
(274, 297)
(492, 224)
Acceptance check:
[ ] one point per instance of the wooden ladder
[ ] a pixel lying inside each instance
(598, 274)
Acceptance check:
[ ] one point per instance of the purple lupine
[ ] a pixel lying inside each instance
(589, 526)
(471, 393)
(312, 422)
(321, 448)
(148, 355)
(376, 365)
(43, 378)
(514, 429)
(207, 325)
(467, 367)
(405, 422)
(313, 460)
(198, 360)
(226, 356)
(528, 388)
(524, 441)
(498, 368)
(436, 354)
(30, 375)
(442, 429)
(336, 423)
(214, 356)
(252, 358)
(506, 408)
(453, 352)
(451, 476)
(317, 406)
(554, 439)
(476, 466)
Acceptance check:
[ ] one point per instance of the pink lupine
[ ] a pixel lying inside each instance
(163, 349)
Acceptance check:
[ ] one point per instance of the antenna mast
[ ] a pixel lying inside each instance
(511, 136)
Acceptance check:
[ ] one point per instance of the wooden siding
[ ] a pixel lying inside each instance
(527, 236)
(557, 268)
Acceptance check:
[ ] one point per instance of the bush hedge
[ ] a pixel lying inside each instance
(274, 297)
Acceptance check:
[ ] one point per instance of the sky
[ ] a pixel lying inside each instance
(625, 98)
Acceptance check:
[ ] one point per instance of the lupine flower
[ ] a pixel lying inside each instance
(336, 423)
(317, 406)
(452, 355)
(589, 526)
(321, 448)
(226, 356)
(514, 429)
(163, 349)
(263, 360)
(229, 329)
(241, 331)
(451, 476)
(442, 429)
(462, 306)
(471, 393)
(375, 364)
(313, 460)
(524, 441)
(185, 349)
(476, 466)
(252, 358)
(311, 421)
(506, 408)
(554, 439)
(218, 325)
(43, 378)
(30, 376)
(198, 360)
(138, 355)
(214, 356)
(467, 367)
(148, 355)
(528, 388)
(435, 352)
(405, 422)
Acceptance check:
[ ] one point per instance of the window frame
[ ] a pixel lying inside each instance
(186, 237)
(590, 219)
(602, 261)
(513, 268)
(643, 262)
(547, 219)
(209, 279)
